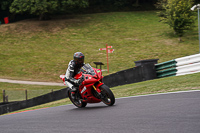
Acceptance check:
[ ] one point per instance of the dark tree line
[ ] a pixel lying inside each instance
(44, 8)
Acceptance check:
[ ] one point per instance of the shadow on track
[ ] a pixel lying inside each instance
(93, 107)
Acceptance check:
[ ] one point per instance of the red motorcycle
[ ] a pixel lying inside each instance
(92, 90)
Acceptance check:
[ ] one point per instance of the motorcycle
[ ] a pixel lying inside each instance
(92, 89)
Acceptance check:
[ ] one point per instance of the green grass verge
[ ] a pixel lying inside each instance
(162, 85)
(16, 92)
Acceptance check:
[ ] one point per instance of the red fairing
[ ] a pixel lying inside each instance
(87, 87)
(90, 82)
(78, 76)
(98, 72)
(87, 95)
(97, 87)
(63, 78)
(89, 79)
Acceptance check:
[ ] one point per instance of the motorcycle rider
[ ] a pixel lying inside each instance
(73, 68)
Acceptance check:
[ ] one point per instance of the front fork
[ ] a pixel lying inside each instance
(98, 90)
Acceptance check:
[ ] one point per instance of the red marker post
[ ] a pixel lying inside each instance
(107, 51)
(6, 20)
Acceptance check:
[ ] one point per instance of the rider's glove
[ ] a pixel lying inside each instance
(79, 81)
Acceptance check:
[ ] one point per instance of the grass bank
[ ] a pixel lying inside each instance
(40, 50)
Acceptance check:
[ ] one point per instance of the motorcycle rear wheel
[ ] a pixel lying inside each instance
(77, 102)
(108, 97)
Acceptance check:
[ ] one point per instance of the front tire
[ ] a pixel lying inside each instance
(107, 96)
(76, 101)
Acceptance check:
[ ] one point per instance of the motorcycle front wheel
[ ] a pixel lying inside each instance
(107, 96)
(76, 101)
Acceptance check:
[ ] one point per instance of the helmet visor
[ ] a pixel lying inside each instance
(79, 60)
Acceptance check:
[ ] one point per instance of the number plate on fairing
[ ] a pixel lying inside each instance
(83, 89)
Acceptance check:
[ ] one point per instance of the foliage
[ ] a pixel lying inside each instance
(121, 5)
(161, 4)
(35, 7)
(44, 7)
(5, 4)
(177, 15)
(71, 6)
(74, 3)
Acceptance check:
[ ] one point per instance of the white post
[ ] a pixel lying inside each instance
(198, 8)
(198, 25)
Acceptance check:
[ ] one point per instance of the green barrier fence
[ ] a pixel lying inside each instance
(166, 69)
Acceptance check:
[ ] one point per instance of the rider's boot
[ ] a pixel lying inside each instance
(73, 91)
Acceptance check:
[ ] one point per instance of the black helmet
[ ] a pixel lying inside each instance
(79, 58)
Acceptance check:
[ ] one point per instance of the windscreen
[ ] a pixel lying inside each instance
(87, 69)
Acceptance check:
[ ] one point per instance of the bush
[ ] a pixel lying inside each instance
(177, 15)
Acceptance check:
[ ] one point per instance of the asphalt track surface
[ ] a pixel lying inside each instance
(163, 113)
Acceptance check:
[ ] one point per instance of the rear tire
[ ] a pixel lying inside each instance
(77, 101)
(107, 96)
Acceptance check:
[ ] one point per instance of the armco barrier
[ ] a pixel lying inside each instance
(133, 75)
(165, 65)
(180, 66)
(53, 96)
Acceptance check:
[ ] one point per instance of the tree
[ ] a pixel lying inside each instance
(35, 7)
(43, 8)
(4, 4)
(72, 5)
(177, 15)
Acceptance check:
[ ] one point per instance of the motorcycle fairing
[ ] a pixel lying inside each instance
(63, 78)
(87, 94)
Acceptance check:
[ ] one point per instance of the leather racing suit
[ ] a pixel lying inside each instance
(71, 71)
